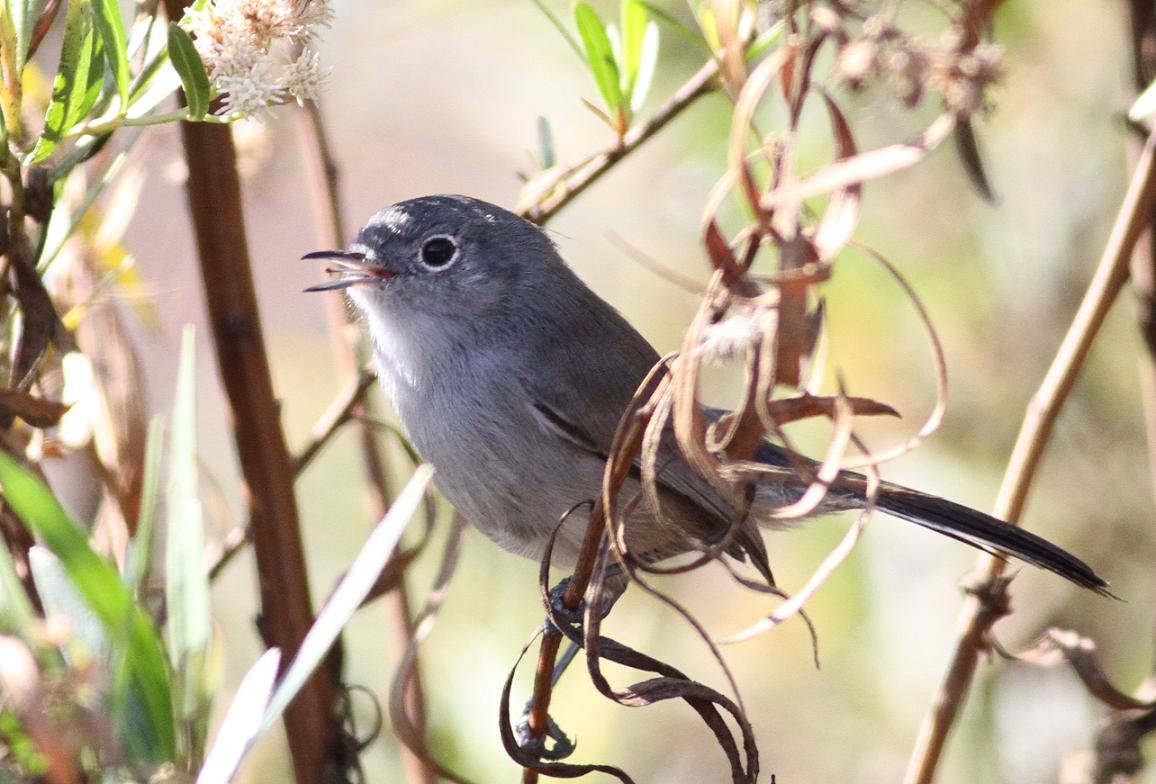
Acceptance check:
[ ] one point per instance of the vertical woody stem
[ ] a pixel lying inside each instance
(981, 608)
(214, 192)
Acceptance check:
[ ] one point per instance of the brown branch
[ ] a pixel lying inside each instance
(214, 192)
(543, 203)
(330, 229)
(976, 616)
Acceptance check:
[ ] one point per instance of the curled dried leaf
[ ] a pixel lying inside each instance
(1061, 646)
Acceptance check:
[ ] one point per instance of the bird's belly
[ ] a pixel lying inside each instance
(511, 480)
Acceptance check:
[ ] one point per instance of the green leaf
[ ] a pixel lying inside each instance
(111, 28)
(646, 68)
(59, 597)
(765, 40)
(139, 555)
(350, 592)
(95, 86)
(708, 23)
(24, 14)
(154, 87)
(546, 155)
(142, 704)
(243, 721)
(192, 71)
(71, 84)
(634, 24)
(599, 56)
(691, 34)
(561, 28)
(15, 608)
(140, 37)
(186, 583)
(144, 77)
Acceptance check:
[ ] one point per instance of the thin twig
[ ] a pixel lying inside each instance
(540, 210)
(343, 408)
(976, 618)
(323, 177)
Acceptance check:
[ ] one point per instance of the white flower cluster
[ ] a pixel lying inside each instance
(245, 44)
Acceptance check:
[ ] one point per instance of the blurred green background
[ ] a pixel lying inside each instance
(438, 96)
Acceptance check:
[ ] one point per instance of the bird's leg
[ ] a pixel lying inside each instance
(559, 610)
(563, 747)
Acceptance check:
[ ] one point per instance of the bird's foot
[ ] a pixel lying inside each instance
(561, 748)
(560, 612)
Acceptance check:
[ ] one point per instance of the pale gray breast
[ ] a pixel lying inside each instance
(495, 463)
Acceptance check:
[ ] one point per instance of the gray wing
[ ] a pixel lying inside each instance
(597, 361)
(597, 365)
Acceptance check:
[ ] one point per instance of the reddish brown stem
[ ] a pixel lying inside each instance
(214, 192)
(627, 441)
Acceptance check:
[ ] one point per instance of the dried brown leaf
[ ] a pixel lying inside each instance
(791, 409)
(36, 411)
(842, 213)
(864, 166)
(1060, 646)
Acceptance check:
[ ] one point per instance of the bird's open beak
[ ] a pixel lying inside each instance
(351, 267)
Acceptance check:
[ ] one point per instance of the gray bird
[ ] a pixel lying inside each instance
(509, 375)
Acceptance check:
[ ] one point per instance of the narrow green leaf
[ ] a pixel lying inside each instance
(546, 155)
(765, 40)
(708, 23)
(646, 67)
(141, 699)
(158, 87)
(561, 28)
(144, 77)
(243, 721)
(111, 28)
(350, 592)
(599, 56)
(634, 25)
(186, 583)
(71, 82)
(59, 596)
(139, 555)
(98, 63)
(192, 71)
(24, 14)
(140, 37)
(691, 34)
(15, 608)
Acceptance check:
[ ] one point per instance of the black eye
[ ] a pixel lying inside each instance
(438, 251)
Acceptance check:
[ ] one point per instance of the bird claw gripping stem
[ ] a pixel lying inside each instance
(562, 746)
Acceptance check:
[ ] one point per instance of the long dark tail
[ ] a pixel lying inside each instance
(946, 517)
(987, 533)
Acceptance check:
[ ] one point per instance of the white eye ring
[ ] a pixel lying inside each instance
(438, 252)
